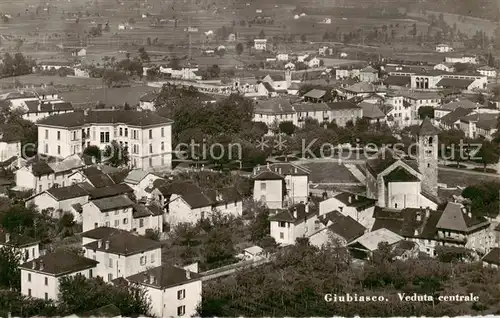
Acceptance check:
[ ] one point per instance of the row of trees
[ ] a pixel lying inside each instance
(295, 285)
(16, 65)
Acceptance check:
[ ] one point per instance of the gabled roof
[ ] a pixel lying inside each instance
(493, 257)
(361, 87)
(287, 215)
(371, 111)
(274, 106)
(224, 195)
(372, 239)
(268, 175)
(455, 115)
(135, 176)
(129, 117)
(110, 191)
(69, 192)
(454, 218)
(16, 240)
(310, 107)
(113, 203)
(190, 192)
(397, 80)
(281, 169)
(427, 128)
(36, 106)
(121, 242)
(368, 69)
(60, 263)
(165, 276)
(140, 211)
(41, 168)
(97, 177)
(454, 83)
(342, 105)
(315, 93)
(67, 164)
(400, 174)
(354, 200)
(346, 227)
(465, 103)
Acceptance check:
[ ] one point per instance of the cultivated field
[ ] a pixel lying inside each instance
(39, 80)
(331, 172)
(454, 178)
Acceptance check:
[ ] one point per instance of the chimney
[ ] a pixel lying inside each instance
(7, 237)
(41, 265)
(188, 274)
(415, 233)
(99, 243)
(107, 245)
(295, 212)
(350, 199)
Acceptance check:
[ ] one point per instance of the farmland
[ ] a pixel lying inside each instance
(110, 96)
(39, 80)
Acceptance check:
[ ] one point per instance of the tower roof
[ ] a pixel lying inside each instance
(427, 128)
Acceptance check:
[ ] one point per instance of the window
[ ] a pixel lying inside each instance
(29, 277)
(96, 225)
(110, 263)
(143, 260)
(121, 131)
(46, 148)
(29, 292)
(117, 212)
(151, 134)
(58, 135)
(102, 137)
(126, 132)
(46, 296)
(163, 132)
(91, 274)
(125, 221)
(110, 277)
(58, 150)
(181, 310)
(263, 186)
(181, 294)
(150, 162)
(150, 148)
(141, 222)
(117, 223)
(46, 281)
(282, 224)
(282, 236)
(106, 136)
(162, 146)
(46, 134)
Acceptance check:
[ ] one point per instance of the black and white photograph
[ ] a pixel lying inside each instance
(249, 158)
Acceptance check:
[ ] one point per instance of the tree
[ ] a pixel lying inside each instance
(79, 294)
(112, 77)
(426, 111)
(116, 155)
(239, 48)
(484, 198)
(143, 55)
(17, 219)
(260, 226)
(287, 127)
(10, 275)
(262, 35)
(220, 52)
(303, 38)
(488, 154)
(94, 152)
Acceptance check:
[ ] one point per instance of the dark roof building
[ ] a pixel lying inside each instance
(84, 118)
(59, 263)
(165, 276)
(113, 203)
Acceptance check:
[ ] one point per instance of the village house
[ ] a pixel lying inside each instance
(181, 202)
(336, 228)
(313, 62)
(447, 67)
(463, 59)
(346, 72)
(147, 101)
(10, 142)
(40, 277)
(120, 253)
(297, 221)
(282, 57)
(53, 65)
(355, 206)
(290, 66)
(447, 108)
(279, 85)
(174, 291)
(314, 111)
(492, 259)
(141, 181)
(145, 134)
(364, 246)
(343, 112)
(488, 71)
(361, 89)
(61, 200)
(368, 75)
(274, 111)
(184, 73)
(444, 48)
(17, 99)
(39, 109)
(477, 125)
(280, 184)
(79, 52)
(226, 200)
(325, 50)
(93, 176)
(372, 112)
(28, 247)
(436, 79)
(452, 119)
(314, 95)
(260, 44)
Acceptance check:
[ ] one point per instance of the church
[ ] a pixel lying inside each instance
(399, 183)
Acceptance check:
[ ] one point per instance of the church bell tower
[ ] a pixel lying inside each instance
(427, 156)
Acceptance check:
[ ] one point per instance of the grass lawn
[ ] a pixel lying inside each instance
(458, 178)
(329, 172)
(113, 96)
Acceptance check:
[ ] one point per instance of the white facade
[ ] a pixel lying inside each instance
(282, 57)
(112, 266)
(269, 192)
(181, 212)
(260, 44)
(28, 251)
(9, 150)
(443, 48)
(488, 71)
(45, 200)
(148, 147)
(314, 62)
(463, 59)
(92, 218)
